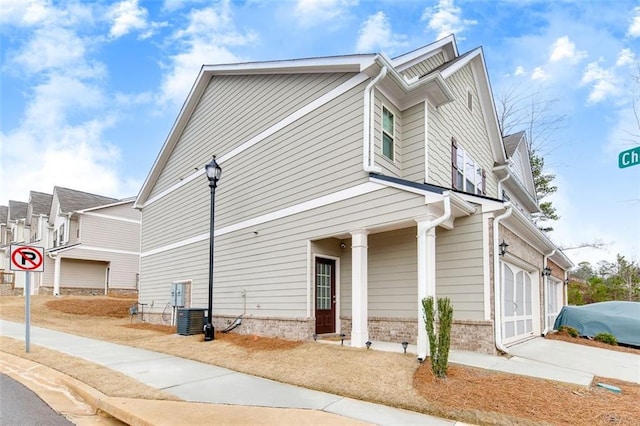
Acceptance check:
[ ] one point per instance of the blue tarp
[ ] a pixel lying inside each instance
(622, 319)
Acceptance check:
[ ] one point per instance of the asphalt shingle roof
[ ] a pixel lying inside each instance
(40, 202)
(17, 210)
(72, 200)
(511, 142)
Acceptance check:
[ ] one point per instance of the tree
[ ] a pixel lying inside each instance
(517, 109)
(619, 280)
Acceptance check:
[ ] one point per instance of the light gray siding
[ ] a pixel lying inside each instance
(467, 127)
(235, 108)
(110, 233)
(459, 267)
(413, 140)
(319, 154)
(391, 168)
(123, 267)
(425, 67)
(272, 265)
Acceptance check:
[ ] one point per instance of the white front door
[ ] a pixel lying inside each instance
(517, 304)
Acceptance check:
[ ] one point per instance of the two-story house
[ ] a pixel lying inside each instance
(352, 187)
(95, 244)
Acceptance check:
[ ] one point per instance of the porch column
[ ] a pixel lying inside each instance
(359, 284)
(56, 277)
(426, 278)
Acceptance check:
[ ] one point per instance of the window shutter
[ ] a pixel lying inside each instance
(454, 162)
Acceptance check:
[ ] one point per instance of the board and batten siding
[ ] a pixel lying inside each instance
(424, 67)
(319, 154)
(233, 109)
(271, 266)
(76, 273)
(468, 128)
(459, 267)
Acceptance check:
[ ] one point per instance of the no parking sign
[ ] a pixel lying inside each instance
(27, 258)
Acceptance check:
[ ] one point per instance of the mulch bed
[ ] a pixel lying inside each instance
(99, 306)
(564, 336)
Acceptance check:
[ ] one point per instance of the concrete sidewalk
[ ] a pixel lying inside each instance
(196, 382)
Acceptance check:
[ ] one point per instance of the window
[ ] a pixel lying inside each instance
(470, 100)
(466, 174)
(61, 235)
(388, 133)
(55, 238)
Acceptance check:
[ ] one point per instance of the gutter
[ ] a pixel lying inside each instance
(368, 144)
(427, 269)
(497, 290)
(544, 292)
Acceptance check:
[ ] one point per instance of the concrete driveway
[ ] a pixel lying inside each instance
(596, 361)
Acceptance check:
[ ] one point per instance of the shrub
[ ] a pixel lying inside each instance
(438, 345)
(607, 338)
(569, 330)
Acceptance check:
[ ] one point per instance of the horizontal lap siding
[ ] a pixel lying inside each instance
(413, 139)
(125, 211)
(459, 267)
(389, 168)
(233, 109)
(319, 154)
(272, 265)
(110, 234)
(468, 128)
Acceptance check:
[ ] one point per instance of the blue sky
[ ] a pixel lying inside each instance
(90, 89)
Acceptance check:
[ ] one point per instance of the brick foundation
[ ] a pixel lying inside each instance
(476, 336)
(67, 291)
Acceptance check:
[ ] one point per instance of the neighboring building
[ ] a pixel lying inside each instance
(6, 276)
(95, 244)
(17, 232)
(352, 188)
(37, 220)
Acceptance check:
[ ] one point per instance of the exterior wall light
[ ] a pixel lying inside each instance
(546, 272)
(503, 248)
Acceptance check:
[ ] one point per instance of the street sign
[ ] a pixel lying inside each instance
(628, 158)
(27, 258)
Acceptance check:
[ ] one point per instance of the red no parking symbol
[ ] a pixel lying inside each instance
(26, 258)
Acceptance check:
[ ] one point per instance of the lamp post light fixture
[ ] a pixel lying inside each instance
(213, 172)
(404, 346)
(546, 271)
(503, 248)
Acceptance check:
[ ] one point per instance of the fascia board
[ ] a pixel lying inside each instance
(350, 63)
(446, 45)
(517, 187)
(119, 203)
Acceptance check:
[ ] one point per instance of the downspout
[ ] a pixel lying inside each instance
(507, 176)
(497, 281)
(544, 292)
(427, 272)
(368, 148)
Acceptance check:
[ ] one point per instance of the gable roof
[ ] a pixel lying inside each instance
(40, 202)
(17, 210)
(71, 200)
(4, 212)
(512, 141)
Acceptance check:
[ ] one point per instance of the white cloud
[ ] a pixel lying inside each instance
(315, 12)
(376, 33)
(634, 26)
(539, 73)
(206, 40)
(519, 71)
(22, 13)
(625, 57)
(445, 18)
(563, 48)
(46, 41)
(126, 16)
(604, 83)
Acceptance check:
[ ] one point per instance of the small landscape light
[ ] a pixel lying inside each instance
(315, 337)
(368, 343)
(342, 336)
(404, 346)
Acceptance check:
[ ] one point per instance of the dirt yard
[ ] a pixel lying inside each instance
(469, 395)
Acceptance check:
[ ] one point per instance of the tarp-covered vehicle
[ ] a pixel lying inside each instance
(622, 319)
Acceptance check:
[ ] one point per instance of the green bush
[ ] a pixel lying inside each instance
(569, 330)
(438, 345)
(607, 338)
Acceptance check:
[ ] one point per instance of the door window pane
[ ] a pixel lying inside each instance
(323, 286)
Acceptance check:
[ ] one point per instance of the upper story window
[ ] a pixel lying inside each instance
(61, 234)
(55, 238)
(470, 100)
(388, 133)
(466, 173)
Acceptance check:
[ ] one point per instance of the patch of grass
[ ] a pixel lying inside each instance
(568, 330)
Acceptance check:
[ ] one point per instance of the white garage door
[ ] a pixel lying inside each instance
(517, 303)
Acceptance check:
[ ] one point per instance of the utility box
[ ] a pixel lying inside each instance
(190, 321)
(178, 290)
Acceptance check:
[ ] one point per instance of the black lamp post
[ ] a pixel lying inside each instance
(213, 171)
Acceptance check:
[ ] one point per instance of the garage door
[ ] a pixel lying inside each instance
(517, 305)
(75, 273)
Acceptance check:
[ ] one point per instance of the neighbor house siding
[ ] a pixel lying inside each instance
(77, 273)
(110, 233)
(276, 277)
(236, 108)
(455, 120)
(425, 67)
(319, 154)
(459, 267)
(123, 267)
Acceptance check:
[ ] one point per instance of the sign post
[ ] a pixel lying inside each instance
(27, 259)
(628, 158)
